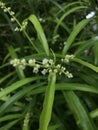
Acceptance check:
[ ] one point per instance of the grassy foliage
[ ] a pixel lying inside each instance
(49, 31)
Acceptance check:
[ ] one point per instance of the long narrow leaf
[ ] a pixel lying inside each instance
(86, 44)
(6, 77)
(65, 15)
(91, 66)
(9, 125)
(63, 9)
(74, 33)
(33, 19)
(17, 96)
(10, 117)
(48, 103)
(69, 86)
(81, 115)
(16, 85)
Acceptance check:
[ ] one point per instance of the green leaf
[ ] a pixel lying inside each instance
(74, 33)
(6, 77)
(68, 86)
(33, 19)
(54, 127)
(10, 117)
(16, 85)
(94, 113)
(91, 66)
(9, 125)
(17, 96)
(48, 103)
(13, 55)
(81, 115)
(76, 87)
(63, 9)
(65, 15)
(85, 45)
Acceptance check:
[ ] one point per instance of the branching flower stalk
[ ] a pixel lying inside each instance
(45, 66)
(14, 19)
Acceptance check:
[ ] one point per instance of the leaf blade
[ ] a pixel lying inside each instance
(48, 103)
(33, 19)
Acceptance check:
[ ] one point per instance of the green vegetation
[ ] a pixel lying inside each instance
(49, 65)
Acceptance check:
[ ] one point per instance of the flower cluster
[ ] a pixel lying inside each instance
(22, 27)
(45, 66)
(67, 58)
(7, 9)
(13, 18)
(17, 62)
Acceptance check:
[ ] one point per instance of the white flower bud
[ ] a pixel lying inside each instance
(51, 61)
(12, 19)
(12, 13)
(58, 66)
(50, 70)
(69, 75)
(44, 71)
(35, 70)
(5, 10)
(16, 29)
(45, 61)
(22, 67)
(23, 61)
(32, 62)
(55, 70)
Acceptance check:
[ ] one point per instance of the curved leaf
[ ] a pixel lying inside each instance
(91, 66)
(33, 19)
(65, 15)
(74, 33)
(16, 85)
